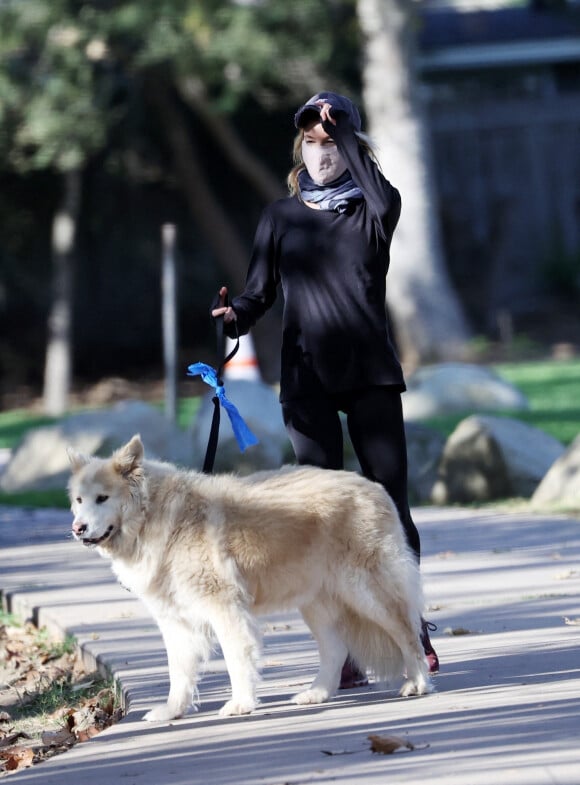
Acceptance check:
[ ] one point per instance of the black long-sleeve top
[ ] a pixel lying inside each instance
(332, 267)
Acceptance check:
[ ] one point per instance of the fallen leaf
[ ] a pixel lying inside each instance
(338, 752)
(19, 758)
(117, 715)
(89, 733)
(457, 631)
(564, 576)
(105, 700)
(8, 741)
(386, 745)
(574, 622)
(58, 738)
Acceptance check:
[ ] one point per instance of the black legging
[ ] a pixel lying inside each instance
(377, 432)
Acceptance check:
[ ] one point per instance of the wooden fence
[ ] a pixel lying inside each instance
(508, 176)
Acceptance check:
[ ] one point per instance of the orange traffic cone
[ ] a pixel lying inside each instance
(244, 364)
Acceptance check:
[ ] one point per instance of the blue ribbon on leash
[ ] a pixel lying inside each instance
(244, 437)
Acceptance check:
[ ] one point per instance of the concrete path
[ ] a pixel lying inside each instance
(506, 711)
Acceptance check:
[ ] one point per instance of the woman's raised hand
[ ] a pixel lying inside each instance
(325, 108)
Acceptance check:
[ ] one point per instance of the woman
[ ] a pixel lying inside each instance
(328, 246)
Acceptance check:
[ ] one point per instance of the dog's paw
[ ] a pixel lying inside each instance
(161, 714)
(419, 687)
(235, 708)
(313, 695)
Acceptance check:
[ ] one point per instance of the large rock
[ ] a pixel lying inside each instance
(488, 458)
(40, 461)
(561, 485)
(424, 450)
(458, 387)
(259, 406)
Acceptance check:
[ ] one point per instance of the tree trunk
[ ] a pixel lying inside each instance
(235, 151)
(58, 361)
(229, 250)
(428, 317)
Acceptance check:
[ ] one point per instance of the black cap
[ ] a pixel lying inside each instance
(338, 102)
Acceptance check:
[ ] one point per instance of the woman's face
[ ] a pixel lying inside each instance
(320, 154)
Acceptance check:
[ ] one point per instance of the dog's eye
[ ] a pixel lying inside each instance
(78, 500)
(101, 498)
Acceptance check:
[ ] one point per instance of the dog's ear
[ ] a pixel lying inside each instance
(77, 459)
(130, 457)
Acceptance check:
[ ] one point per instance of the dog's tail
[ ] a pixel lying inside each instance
(372, 647)
(382, 630)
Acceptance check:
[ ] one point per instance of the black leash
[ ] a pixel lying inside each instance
(215, 422)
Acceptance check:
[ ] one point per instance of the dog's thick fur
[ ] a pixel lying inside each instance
(208, 553)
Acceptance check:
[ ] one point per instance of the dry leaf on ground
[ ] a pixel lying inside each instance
(58, 738)
(572, 622)
(12, 738)
(18, 758)
(386, 745)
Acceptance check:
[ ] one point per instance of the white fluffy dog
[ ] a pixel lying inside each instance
(207, 553)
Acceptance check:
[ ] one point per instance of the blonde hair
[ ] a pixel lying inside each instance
(364, 141)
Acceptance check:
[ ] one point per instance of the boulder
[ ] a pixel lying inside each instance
(40, 461)
(489, 458)
(458, 387)
(561, 485)
(259, 406)
(424, 449)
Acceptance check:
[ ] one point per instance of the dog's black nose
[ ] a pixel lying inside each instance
(79, 528)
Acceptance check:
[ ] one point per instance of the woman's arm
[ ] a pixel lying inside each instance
(261, 282)
(383, 199)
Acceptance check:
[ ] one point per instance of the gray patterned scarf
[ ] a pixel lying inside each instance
(337, 195)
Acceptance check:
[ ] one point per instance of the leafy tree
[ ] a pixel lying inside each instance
(72, 70)
(210, 58)
(69, 69)
(52, 118)
(276, 53)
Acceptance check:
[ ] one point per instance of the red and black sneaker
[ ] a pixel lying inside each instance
(352, 676)
(430, 653)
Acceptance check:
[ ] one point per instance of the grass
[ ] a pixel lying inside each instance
(51, 691)
(54, 694)
(553, 391)
(15, 423)
(52, 499)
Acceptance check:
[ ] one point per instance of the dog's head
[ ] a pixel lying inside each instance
(102, 492)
